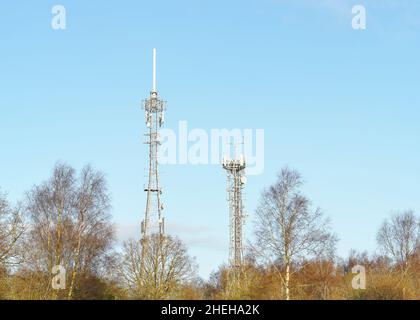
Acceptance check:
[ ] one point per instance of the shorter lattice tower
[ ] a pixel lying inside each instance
(236, 180)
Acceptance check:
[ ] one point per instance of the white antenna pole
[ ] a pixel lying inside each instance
(154, 70)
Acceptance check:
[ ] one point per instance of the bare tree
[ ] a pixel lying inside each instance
(399, 238)
(166, 266)
(12, 229)
(70, 227)
(287, 230)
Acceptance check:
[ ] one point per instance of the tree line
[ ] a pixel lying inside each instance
(59, 242)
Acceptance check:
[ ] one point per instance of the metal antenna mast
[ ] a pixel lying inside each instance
(154, 108)
(235, 183)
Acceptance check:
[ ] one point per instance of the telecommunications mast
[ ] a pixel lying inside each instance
(154, 108)
(236, 180)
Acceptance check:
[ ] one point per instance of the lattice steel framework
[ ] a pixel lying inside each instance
(235, 183)
(154, 109)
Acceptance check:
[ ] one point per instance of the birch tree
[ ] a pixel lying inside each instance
(70, 227)
(288, 230)
(399, 237)
(166, 266)
(12, 229)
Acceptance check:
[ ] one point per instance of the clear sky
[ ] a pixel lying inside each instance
(339, 105)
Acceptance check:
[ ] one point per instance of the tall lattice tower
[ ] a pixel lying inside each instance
(235, 183)
(154, 109)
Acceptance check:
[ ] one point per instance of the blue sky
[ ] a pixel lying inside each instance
(340, 106)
